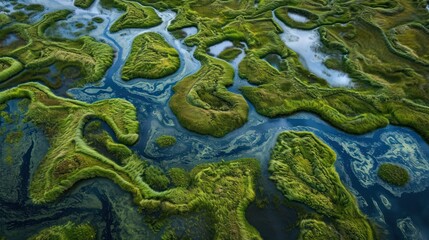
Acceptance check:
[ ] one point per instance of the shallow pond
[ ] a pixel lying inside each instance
(216, 49)
(190, 31)
(9, 40)
(298, 17)
(403, 212)
(274, 60)
(307, 44)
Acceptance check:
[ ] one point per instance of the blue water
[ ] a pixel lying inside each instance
(111, 210)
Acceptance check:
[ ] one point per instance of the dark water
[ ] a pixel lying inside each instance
(110, 209)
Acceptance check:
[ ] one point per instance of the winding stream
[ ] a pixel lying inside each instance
(402, 211)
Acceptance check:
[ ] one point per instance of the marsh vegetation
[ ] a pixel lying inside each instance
(376, 44)
(302, 166)
(393, 174)
(151, 57)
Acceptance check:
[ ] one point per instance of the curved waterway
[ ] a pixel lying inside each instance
(401, 211)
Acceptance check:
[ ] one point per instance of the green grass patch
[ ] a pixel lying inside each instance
(14, 137)
(302, 166)
(98, 19)
(136, 16)
(151, 57)
(165, 141)
(9, 67)
(179, 177)
(230, 54)
(4, 19)
(83, 3)
(204, 94)
(393, 174)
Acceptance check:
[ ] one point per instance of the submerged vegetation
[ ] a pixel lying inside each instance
(302, 167)
(67, 231)
(165, 141)
(151, 57)
(393, 174)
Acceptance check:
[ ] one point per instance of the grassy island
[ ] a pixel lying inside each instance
(204, 94)
(221, 191)
(393, 174)
(67, 231)
(151, 57)
(230, 54)
(302, 166)
(135, 16)
(165, 141)
(83, 3)
(9, 67)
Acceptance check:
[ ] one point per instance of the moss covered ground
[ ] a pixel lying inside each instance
(204, 94)
(302, 166)
(179, 177)
(230, 54)
(135, 16)
(151, 57)
(9, 67)
(393, 174)
(83, 3)
(4, 19)
(68, 231)
(165, 141)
